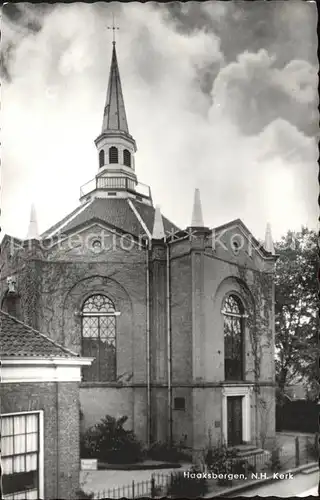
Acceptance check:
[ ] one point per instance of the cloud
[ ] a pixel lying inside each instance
(252, 87)
(205, 112)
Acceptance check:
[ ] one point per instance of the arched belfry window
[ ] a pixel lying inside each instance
(113, 155)
(99, 338)
(233, 316)
(101, 158)
(126, 158)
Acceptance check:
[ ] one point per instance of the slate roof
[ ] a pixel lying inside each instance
(116, 213)
(20, 340)
(147, 214)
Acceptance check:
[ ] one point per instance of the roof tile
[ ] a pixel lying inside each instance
(19, 339)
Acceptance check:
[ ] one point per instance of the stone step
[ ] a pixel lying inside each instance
(246, 447)
(245, 455)
(312, 470)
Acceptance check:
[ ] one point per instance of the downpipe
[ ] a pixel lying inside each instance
(148, 346)
(169, 344)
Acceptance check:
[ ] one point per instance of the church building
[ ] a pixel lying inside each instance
(179, 322)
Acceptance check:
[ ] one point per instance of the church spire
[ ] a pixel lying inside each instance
(114, 117)
(33, 233)
(268, 242)
(116, 148)
(197, 218)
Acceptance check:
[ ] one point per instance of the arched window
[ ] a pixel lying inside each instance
(126, 158)
(233, 315)
(113, 155)
(99, 339)
(101, 158)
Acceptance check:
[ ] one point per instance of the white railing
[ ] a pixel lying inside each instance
(109, 183)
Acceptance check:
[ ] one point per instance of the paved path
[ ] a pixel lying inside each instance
(284, 487)
(102, 480)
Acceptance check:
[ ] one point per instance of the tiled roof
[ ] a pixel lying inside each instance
(147, 214)
(116, 213)
(19, 339)
(62, 221)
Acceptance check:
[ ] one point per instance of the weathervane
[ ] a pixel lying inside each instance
(113, 28)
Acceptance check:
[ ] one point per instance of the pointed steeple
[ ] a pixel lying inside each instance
(33, 232)
(116, 148)
(197, 218)
(158, 229)
(268, 242)
(114, 117)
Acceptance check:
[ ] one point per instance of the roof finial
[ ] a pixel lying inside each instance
(197, 218)
(33, 233)
(113, 28)
(158, 229)
(268, 242)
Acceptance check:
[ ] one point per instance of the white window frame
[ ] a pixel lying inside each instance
(40, 414)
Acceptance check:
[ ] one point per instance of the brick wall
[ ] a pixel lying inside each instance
(60, 405)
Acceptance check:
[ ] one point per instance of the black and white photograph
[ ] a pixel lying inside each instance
(159, 250)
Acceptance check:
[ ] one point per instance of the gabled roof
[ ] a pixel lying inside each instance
(20, 340)
(238, 222)
(115, 213)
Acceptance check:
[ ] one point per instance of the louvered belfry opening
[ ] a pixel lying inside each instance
(101, 158)
(127, 158)
(113, 155)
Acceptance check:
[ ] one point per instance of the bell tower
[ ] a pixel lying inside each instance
(116, 177)
(116, 147)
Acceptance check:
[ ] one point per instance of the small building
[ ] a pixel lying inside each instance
(39, 393)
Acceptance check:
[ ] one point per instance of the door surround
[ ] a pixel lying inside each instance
(237, 390)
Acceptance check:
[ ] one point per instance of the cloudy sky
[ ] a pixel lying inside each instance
(219, 95)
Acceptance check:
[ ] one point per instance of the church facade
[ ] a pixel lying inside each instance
(179, 322)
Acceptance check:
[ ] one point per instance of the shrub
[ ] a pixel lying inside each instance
(181, 486)
(219, 459)
(274, 462)
(166, 453)
(82, 495)
(240, 467)
(109, 442)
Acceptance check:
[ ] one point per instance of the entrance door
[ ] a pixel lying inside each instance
(234, 413)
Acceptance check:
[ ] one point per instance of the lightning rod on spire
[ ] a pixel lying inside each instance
(113, 28)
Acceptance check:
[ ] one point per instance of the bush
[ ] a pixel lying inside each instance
(109, 442)
(240, 467)
(165, 453)
(275, 463)
(181, 486)
(82, 495)
(219, 459)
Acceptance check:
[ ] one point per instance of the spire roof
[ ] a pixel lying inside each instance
(33, 232)
(158, 229)
(268, 242)
(114, 117)
(197, 217)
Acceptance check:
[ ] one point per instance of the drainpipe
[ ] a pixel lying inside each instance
(58, 439)
(148, 345)
(169, 346)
